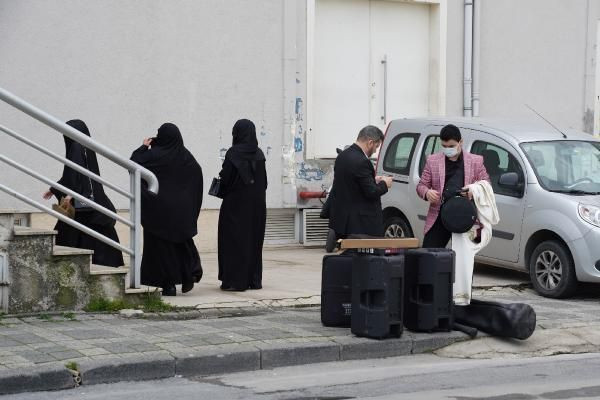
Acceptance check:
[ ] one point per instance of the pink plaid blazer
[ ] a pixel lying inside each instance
(434, 174)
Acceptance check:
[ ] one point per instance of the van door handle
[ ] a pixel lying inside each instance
(384, 62)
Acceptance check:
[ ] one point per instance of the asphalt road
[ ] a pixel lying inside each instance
(416, 378)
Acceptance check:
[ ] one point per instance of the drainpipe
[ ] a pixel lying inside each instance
(468, 60)
(476, 54)
(289, 195)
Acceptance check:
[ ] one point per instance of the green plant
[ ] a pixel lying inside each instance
(45, 317)
(69, 315)
(72, 366)
(153, 303)
(102, 304)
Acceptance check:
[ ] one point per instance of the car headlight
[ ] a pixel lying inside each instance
(590, 214)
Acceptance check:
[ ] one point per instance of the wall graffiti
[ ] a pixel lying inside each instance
(309, 173)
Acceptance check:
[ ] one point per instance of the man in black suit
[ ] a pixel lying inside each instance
(356, 193)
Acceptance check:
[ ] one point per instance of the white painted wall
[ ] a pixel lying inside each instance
(539, 52)
(125, 67)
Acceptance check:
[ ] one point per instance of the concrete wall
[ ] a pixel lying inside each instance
(539, 52)
(125, 67)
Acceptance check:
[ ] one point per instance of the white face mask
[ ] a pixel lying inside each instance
(450, 151)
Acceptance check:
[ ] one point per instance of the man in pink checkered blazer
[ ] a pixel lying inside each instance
(446, 173)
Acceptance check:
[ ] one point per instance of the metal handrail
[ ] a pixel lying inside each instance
(66, 161)
(66, 190)
(66, 220)
(79, 137)
(136, 173)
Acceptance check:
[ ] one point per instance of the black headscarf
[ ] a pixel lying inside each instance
(80, 183)
(172, 214)
(244, 153)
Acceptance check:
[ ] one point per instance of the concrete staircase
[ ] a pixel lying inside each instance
(36, 275)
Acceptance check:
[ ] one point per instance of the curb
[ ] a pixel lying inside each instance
(47, 377)
(220, 360)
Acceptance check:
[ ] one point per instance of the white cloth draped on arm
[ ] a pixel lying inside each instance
(463, 244)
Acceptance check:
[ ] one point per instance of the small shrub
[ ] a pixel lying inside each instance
(45, 317)
(153, 303)
(72, 366)
(102, 304)
(69, 316)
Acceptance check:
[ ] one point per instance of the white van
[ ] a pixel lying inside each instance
(547, 186)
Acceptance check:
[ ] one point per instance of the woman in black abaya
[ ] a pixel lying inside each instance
(242, 217)
(69, 236)
(170, 219)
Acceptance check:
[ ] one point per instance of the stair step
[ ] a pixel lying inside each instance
(104, 270)
(143, 289)
(70, 251)
(24, 231)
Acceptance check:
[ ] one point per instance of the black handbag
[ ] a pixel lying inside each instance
(326, 210)
(215, 188)
(458, 214)
(514, 320)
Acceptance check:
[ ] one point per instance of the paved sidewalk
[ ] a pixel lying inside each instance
(291, 277)
(34, 353)
(110, 348)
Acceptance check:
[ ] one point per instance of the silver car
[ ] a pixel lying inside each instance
(547, 186)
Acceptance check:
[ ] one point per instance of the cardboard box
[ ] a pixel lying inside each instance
(405, 243)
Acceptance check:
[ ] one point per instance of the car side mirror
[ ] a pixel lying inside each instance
(509, 180)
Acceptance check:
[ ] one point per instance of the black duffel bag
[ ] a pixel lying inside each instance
(514, 320)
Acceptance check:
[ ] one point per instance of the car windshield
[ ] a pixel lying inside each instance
(566, 166)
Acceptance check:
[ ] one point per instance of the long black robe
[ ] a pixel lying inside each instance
(242, 217)
(170, 219)
(71, 237)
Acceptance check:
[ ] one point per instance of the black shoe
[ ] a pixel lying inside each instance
(186, 287)
(255, 287)
(169, 291)
(231, 288)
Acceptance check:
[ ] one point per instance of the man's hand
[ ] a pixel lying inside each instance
(387, 179)
(47, 195)
(467, 192)
(433, 196)
(147, 142)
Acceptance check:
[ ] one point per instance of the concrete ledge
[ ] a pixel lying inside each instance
(133, 368)
(50, 377)
(355, 348)
(428, 342)
(24, 231)
(103, 270)
(222, 360)
(70, 251)
(282, 355)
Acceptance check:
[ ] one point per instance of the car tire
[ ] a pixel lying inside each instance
(552, 270)
(331, 242)
(397, 227)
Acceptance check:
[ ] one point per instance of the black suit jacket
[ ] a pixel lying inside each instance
(356, 198)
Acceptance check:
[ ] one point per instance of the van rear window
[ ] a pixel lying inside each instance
(399, 153)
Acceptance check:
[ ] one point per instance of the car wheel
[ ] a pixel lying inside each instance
(397, 227)
(552, 271)
(331, 241)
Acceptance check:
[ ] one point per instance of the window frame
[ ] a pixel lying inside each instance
(521, 191)
(406, 170)
(423, 157)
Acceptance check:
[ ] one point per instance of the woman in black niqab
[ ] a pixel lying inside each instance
(242, 217)
(72, 237)
(170, 218)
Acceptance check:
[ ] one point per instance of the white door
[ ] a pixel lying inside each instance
(371, 64)
(400, 61)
